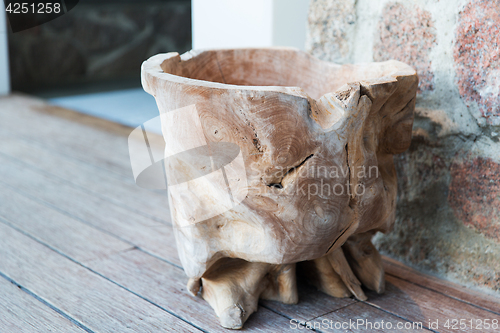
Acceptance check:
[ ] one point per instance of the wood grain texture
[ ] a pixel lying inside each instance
(22, 313)
(367, 317)
(88, 139)
(276, 130)
(415, 303)
(312, 304)
(164, 285)
(76, 239)
(100, 183)
(307, 135)
(135, 229)
(83, 295)
(447, 288)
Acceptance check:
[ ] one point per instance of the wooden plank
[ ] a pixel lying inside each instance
(312, 303)
(93, 140)
(98, 181)
(414, 303)
(361, 317)
(165, 285)
(22, 313)
(72, 237)
(450, 289)
(86, 297)
(135, 229)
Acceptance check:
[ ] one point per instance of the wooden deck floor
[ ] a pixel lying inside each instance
(82, 248)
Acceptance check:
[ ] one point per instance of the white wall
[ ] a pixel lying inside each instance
(249, 23)
(4, 61)
(290, 23)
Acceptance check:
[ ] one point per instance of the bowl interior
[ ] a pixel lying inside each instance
(274, 67)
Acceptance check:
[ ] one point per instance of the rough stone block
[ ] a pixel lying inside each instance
(475, 194)
(407, 34)
(477, 57)
(331, 25)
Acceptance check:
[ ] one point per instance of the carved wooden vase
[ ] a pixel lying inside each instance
(276, 159)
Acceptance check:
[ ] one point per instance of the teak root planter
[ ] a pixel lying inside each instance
(277, 160)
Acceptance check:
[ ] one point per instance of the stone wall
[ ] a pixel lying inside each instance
(448, 219)
(97, 41)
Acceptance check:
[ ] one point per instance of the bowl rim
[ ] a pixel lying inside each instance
(151, 70)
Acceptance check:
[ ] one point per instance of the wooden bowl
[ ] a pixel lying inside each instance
(274, 157)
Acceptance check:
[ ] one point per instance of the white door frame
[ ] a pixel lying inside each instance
(4, 54)
(249, 23)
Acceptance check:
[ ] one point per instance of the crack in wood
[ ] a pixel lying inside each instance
(290, 171)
